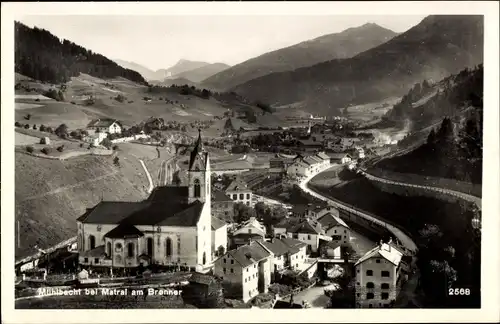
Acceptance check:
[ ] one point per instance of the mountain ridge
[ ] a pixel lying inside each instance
(432, 49)
(344, 44)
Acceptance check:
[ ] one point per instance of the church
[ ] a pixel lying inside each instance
(171, 227)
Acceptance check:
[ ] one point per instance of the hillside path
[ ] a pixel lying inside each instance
(151, 186)
(68, 187)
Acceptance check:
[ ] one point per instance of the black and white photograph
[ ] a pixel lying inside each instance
(245, 161)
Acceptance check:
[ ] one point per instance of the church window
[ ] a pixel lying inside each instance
(130, 250)
(118, 247)
(197, 188)
(168, 247)
(178, 245)
(158, 229)
(92, 242)
(108, 249)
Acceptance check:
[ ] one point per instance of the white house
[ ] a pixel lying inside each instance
(172, 226)
(251, 226)
(104, 125)
(336, 228)
(245, 271)
(287, 253)
(219, 236)
(377, 274)
(309, 232)
(239, 192)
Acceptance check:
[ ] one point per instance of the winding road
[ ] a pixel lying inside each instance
(151, 186)
(461, 195)
(405, 240)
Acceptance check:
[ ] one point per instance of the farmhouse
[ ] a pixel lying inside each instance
(172, 226)
(104, 125)
(335, 227)
(287, 253)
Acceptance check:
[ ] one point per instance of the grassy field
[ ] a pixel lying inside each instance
(51, 194)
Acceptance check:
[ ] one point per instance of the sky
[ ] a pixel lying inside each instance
(158, 42)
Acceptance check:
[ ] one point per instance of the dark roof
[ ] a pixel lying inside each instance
(236, 185)
(338, 155)
(293, 242)
(102, 122)
(165, 194)
(124, 230)
(306, 227)
(278, 247)
(110, 212)
(329, 220)
(219, 196)
(249, 254)
(217, 223)
(246, 236)
(167, 215)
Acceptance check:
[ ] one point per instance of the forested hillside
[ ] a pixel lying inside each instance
(455, 149)
(43, 56)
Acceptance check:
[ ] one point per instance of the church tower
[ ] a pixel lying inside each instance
(199, 173)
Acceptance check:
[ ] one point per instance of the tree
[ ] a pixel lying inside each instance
(221, 250)
(243, 212)
(116, 161)
(62, 131)
(30, 149)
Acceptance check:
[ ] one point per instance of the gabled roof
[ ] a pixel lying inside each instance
(338, 155)
(123, 230)
(386, 251)
(307, 227)
(293, 243)
(323, 156)
(217, 223)
(165, 194)
(237, 185)
(219, 196)
(110, 212)
(278, 247)
(249, 254)
(330, 220)
(102, 122)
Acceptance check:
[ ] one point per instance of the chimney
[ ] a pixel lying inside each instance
(381, 243)
(390, 240)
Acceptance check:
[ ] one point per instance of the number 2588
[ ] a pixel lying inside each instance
(459, 291)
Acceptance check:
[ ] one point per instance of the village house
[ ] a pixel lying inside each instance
(251, 226)
(308, 231)
(279, 164)
(245, 271)
(339, 158)
(377, 275)
(239, 192)
(172, 226)
(347, 142)
(219, 237)
(222, 206)
(287, 253)
(309, 165)
(336, 228)
(104, 125)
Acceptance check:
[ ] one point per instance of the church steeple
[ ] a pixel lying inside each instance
(197, 150)
(199, 173)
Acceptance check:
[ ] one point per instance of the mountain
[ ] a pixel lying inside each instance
(179, 67)
(148, 74)
(177, 81)
(42, 56)
(433, 49)
(345, 44)
(202, 73)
